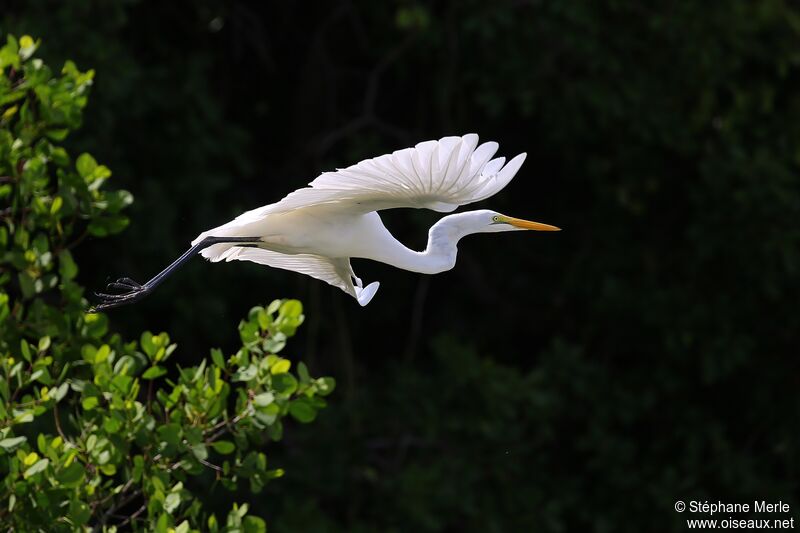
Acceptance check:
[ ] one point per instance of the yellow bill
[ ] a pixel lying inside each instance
(527, 224)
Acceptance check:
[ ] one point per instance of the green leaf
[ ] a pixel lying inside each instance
(200, 451)
(254, 524)
(26, 350)
(194, 435)
(161, 523)
(27, 47)
(85, 165)
(79, 512)
(111, 425)
(156, 347)
(291, 309)
(248, 332)
(325, 385)
(223, 447)
(281, 366)
(23, 417)
(121, 383)
(154, 372)
(138, 468)
(90, 403)
(66, 265)
(275, 474)
(118, 200)
(96, 325)
(170, 433)
(275, 343)
(10, 443)
(102, 353)
(147, 344)
(302, 410)
(9, 53)
(44, 343)
(57, 134)
(29, 458)
(264, 319)
(267, 415)
(302, 373)
(37, 467)
(103, 226)
(7, 114)
(263, 399)
(60, 392)
(172, 502)
(71, 475)
(218, 358)
(245, 374)
(284, 384)
(59, 156)
(88, 352)
(249, 464)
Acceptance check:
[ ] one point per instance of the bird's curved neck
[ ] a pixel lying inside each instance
(438, 256)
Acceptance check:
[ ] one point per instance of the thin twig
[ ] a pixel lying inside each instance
(124, 489)
(227, 426)
(58, 423)
(78, 240)
(150, 396)
(368, 116)
(114, 508)
(210, 465)
(134, 516)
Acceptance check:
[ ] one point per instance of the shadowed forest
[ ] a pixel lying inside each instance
(575, 381)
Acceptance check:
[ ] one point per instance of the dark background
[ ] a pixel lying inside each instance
(584, 380)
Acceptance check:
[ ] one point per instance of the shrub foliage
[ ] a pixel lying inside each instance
(97, 431)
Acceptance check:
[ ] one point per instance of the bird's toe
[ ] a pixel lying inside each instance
(124, 284)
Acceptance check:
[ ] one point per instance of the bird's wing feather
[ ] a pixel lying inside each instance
(336, 272)
(438, 175)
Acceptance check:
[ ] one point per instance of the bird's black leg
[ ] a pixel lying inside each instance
(132, 292)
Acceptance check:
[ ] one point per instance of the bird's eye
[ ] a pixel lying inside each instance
(495, 218)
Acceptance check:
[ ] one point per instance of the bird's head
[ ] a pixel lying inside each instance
(487, 221)
(454, 227)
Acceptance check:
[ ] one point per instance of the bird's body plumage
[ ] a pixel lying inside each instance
(316, 230)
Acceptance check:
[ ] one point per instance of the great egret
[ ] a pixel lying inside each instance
(317, 229)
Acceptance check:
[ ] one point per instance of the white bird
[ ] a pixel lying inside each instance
(316, 230)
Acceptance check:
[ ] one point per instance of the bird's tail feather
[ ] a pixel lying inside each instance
(218, 252)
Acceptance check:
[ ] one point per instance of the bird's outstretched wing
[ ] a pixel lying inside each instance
(439, 175)
(335, 271)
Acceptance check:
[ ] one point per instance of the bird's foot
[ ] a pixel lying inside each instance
(130, 292)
